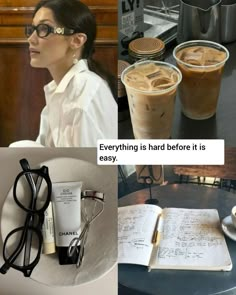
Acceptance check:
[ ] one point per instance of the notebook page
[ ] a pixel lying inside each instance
(192, 239)
(136, 224)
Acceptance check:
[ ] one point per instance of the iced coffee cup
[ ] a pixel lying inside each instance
(201, 63)
(151, 90)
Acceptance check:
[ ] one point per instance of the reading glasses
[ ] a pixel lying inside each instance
(32, 193)
(43, 30)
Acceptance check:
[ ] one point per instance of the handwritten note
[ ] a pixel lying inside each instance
(135, 229)
(191, 238)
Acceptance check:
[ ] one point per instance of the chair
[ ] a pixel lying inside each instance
(224, 176)
(150, 174)
(122, 175)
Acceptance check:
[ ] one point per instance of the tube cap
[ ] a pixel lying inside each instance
(49, 248)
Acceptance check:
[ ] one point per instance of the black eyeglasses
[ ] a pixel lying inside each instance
(32, 193)
(43, 30)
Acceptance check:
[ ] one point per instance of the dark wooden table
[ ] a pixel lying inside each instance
(219, 126)
(135, 279)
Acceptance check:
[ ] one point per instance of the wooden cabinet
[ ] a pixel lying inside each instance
(21, 86)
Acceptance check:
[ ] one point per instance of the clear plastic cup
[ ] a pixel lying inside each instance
(151, 90)
(201, 64)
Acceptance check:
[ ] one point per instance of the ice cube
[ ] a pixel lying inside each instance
(192, 55)
(214, 56)
(161, 83)
(147, 69)
(141, 85)
(133, 75)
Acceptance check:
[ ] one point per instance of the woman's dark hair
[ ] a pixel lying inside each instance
(73, 14)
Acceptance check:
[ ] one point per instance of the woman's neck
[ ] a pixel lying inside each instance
(59, 71)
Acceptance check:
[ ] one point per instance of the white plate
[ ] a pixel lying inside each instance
(228, 228)
(101, 247)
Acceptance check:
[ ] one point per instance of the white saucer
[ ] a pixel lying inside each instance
(101, 247)
(228, 228)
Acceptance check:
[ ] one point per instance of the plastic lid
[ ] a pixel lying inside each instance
(147, 46)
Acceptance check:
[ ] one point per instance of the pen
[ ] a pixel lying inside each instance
(157, 230)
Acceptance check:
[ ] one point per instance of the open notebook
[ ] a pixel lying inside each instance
(187, 239)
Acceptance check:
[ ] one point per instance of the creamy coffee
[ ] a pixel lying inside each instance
(202, 68)
(151, 89)
(201, 55)
(151, 77)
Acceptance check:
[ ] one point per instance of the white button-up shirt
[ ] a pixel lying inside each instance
(79, 110)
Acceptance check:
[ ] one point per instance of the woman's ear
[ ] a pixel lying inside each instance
(78, 40)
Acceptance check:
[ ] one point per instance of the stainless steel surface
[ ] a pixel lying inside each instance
(199, 19)
(160, 20)
(228, 21)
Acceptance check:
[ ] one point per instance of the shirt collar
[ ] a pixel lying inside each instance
(81, 66)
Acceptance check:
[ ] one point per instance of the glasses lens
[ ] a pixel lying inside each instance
(43, 30)
(22, 247)
(31, 191)
(29, 30)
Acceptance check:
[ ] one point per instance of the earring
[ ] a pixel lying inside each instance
(75, 59)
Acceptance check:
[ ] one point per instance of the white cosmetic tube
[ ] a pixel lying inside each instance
(48, 232)
(66, 206)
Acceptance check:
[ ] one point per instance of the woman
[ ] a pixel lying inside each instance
(80, 108)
